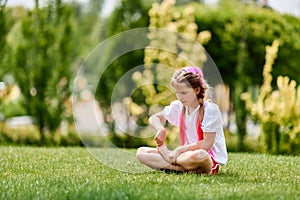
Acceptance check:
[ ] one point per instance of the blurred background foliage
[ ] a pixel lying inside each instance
(42, 48)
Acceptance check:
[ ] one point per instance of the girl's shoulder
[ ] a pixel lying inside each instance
(176, 103)
(173, 106)
(212, 116)
(211, 107)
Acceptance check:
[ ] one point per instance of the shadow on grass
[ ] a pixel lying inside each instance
(219, 174)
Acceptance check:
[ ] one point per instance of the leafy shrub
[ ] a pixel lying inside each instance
(22, 135)
(277, 110)
(29, 135)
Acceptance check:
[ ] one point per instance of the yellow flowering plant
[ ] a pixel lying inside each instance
(277, 110)
(173, 43)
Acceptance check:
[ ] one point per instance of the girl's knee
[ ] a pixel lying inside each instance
(205, 159)
(141, 150)
(202, 154)
(202, 158)
(139, 153)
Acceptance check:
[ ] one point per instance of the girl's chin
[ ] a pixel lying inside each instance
(185, 104)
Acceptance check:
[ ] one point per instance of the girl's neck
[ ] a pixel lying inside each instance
(193, 107)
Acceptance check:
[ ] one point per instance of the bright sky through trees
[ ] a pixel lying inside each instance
(290, 6)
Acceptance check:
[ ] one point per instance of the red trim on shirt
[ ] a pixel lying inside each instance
(182, 128)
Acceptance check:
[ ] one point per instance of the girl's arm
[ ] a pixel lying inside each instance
(156, 121)
(206, 144)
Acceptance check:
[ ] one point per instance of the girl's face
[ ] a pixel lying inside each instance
(186, 95)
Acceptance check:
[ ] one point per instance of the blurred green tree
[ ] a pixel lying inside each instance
(42, 63)
(3, 25)
(127, 15)
(87, 23)
(3, 32)
(44, 45)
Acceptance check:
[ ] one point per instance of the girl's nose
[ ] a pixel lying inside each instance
(179, 97)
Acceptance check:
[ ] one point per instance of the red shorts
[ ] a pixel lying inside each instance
(215, 166)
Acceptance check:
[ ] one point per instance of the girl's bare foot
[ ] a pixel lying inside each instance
(164, 151)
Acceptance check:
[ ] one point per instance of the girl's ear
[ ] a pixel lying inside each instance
(197, 90)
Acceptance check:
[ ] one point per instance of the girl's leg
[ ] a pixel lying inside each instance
(198, 161)
(153, 159)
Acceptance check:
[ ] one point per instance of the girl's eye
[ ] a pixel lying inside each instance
(181, 93)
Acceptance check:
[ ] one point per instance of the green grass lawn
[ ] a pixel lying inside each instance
(73, 173)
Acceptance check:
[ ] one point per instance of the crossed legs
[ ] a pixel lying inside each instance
(197, 161)
(153, 159)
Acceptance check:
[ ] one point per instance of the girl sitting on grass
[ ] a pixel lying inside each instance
(202, 143)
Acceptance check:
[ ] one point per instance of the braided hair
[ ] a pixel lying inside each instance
(193, 77)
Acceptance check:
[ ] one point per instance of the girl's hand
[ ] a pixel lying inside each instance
(173, 155)
(164, 152)
(176, 152)
(160, 137)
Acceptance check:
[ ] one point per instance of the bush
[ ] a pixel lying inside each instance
(29, 135)
(277, 110)
(251, 144)
(21, 135)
